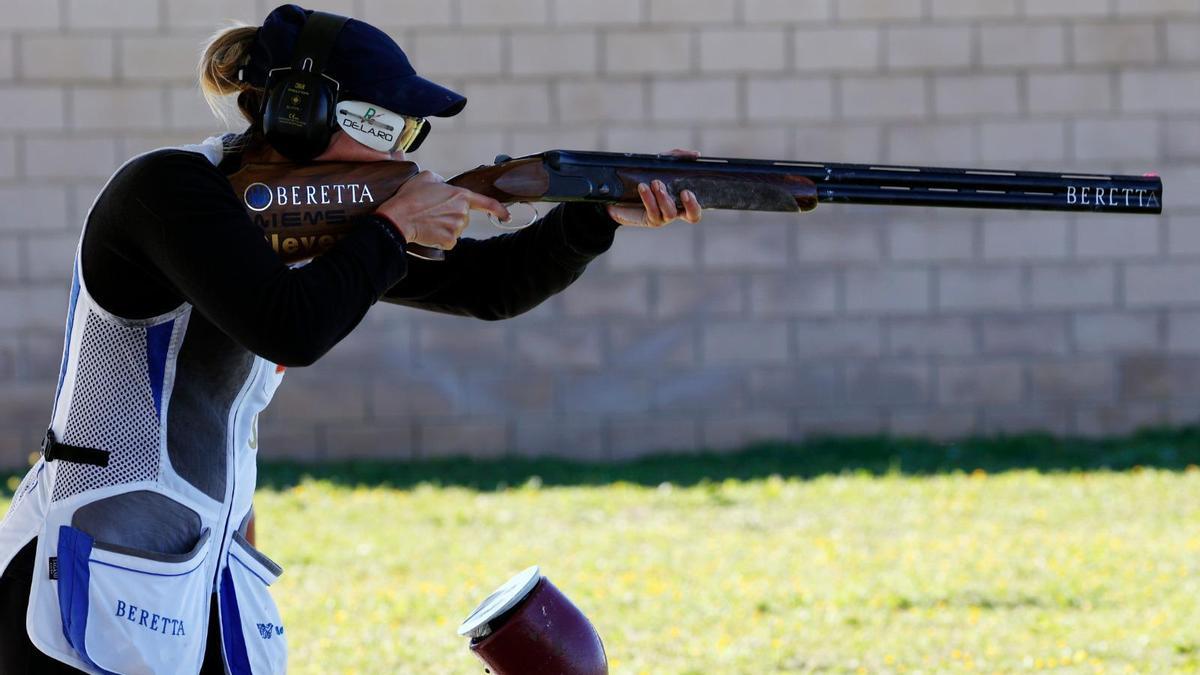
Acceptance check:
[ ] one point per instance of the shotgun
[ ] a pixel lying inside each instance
(304, 208)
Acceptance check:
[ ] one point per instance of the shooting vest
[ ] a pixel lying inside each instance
(140, 500)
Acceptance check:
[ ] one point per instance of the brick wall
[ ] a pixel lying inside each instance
(848, 320)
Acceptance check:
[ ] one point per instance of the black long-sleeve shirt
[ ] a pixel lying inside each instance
(168, 229)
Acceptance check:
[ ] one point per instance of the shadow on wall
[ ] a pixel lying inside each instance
(1171, 449)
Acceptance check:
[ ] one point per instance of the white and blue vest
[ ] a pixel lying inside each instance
(130, 554)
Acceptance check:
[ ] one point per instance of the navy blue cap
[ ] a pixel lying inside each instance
(368, 64)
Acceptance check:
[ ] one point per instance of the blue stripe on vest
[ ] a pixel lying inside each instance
(74, 550)
(158, 341)
(236, 655)
(62, 370)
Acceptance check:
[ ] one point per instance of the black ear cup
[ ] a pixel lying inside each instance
(298, 115)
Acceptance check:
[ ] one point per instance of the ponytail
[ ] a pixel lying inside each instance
(225, 53)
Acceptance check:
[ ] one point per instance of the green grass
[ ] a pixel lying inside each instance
(838, 556)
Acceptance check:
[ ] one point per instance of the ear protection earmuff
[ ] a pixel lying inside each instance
(298, 110)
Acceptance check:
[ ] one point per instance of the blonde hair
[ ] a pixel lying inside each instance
(226, 52)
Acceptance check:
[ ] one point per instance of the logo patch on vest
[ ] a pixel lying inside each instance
(149, 620)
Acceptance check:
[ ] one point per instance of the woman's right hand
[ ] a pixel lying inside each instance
(429, 212)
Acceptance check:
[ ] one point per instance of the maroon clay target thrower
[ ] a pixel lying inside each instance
(529, 627)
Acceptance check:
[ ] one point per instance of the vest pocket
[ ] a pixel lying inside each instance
(251, 628)
(130, 611)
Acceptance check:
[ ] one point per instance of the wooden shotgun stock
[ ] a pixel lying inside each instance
(304, 208)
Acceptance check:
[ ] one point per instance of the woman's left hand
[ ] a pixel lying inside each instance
(658, 204)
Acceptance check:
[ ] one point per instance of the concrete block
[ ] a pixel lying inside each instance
(786, 11)
(450, 153)
(756, 245)
(31, 109)
(1024, 335)
(509, 104)
(459, 343)
(1183, 139)
(1073, 286)
(742, 50)
(569, 12)
(418, 391)
(928, 47)
(701, 389)
(979, 288)
(644, 51)
(792, 386)
(624, 295)
(818, 422)
(457, 54)
(711, 100)
(998, 382)
(504, 14)
(396, 14)
(887, 290)
(944, 425)
(837, 49)
(648, 137)
(8, 158)
(1106, 421)
(590, 102)
(603, 393)
(735, 432)
(691, 294)
(888, 382)
(788, 98)
(1042, 419)
(538, 139)
(48, 256)
(760, 142)
(187, 14)
(1162, 284)
(847, 338)
(21, 15)
(463, 437)
(637, 436)
(1117, 236)
(389, 440)
(975, 95)
(1087, 93)
(561, 53)
(1023, 45)
(112, 108)
(1183, 235)
(744, 343)
(75, 58)
(844, 242)
(35, 208)
(1157, 377)
(113, 14)
(1183, 41)
(510, 393)
(930, 336)
(576, 345)
(170, 59)
(33, 308)
(308, 398)
(651, 346)
(692, 11)
(1024, 141)
(579, 437)
(666, 249)
(1088, 379)
(793, 294)
(1072, 9)
(1183, 331)
(1118, 44)
(1116, 139)
(897, 97)
(878, 10)
(1179, 8)
(293, 443)
(944, 144)
(188, 111)
(1160, 91)
(1027, 237)
(11, 255)
(973, 9)
(861, 143)
(59, 157)
(1109, 332)
(934, 238)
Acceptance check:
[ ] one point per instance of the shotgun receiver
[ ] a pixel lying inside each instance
(304, 208)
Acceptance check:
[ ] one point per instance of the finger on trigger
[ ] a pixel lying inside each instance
(480, 202)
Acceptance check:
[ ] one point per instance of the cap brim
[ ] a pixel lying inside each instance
(412, 95)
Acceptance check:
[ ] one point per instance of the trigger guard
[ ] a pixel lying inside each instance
(533, 216)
